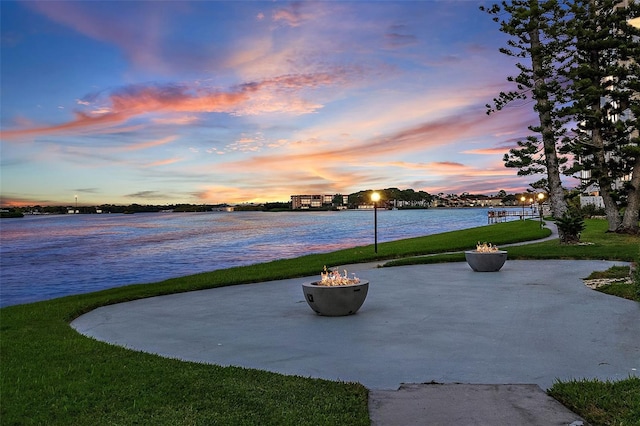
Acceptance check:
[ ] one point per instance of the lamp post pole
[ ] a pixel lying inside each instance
(540, 201)
(375, 197)
(523, 199)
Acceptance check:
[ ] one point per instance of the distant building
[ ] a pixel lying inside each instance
(306, 201)
(594, 200)
(315, 201)
(479, 200)
(467, 200)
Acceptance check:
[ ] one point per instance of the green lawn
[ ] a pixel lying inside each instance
(596, 243)
(49, 374)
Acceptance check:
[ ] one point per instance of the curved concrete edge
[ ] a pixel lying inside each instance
(468, 404)
(551, 226)
(358, 267)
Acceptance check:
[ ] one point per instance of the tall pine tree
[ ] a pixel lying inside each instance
(605, 105)
(538, 36)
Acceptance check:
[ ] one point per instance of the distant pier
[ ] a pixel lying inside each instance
(496, 216)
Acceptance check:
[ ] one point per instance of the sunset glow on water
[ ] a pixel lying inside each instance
(44, 257)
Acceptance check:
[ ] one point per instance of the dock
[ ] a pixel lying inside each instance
(497, 216)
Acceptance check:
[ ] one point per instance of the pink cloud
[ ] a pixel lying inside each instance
(354, 164)
(261, 185)
(181, 120)
(292, 15)
(397, 37)
(82, 122)
(136, 100)
(432, 167)
(417, 138)
(163, 162)
(10, 200)
(150, 144)
(486, 151)
(473, 185)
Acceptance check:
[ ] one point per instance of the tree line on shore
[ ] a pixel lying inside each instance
(110, 208)
(389, 197)
(409, 197)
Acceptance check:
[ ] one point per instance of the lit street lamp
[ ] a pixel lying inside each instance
(523, 199)
(375, 197)
(540, 201)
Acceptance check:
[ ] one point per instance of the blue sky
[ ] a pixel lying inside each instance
(161, 102)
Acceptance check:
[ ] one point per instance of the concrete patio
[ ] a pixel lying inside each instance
(531, 323)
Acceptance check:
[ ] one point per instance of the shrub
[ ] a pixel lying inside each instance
(570, 226)
(591, 210)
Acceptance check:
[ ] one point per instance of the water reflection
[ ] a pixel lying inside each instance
(42, 257)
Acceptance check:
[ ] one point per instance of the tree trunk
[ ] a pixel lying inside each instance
(604, 182)
(610, 206)
(557, 201)
(544, 107)
(631, 214)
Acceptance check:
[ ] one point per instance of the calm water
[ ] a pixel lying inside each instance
(43, 257)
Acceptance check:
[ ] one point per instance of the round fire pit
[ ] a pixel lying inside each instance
(336, 300)
(486, 262)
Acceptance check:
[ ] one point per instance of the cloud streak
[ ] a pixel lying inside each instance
(420, 138)
(137, 100)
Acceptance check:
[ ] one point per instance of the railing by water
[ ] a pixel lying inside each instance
(496, 216)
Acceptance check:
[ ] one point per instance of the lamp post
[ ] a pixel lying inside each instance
(375, 197)
(76, 210)
(523, 199)
(540, 201)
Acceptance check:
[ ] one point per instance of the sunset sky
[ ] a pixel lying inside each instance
(161, 102)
